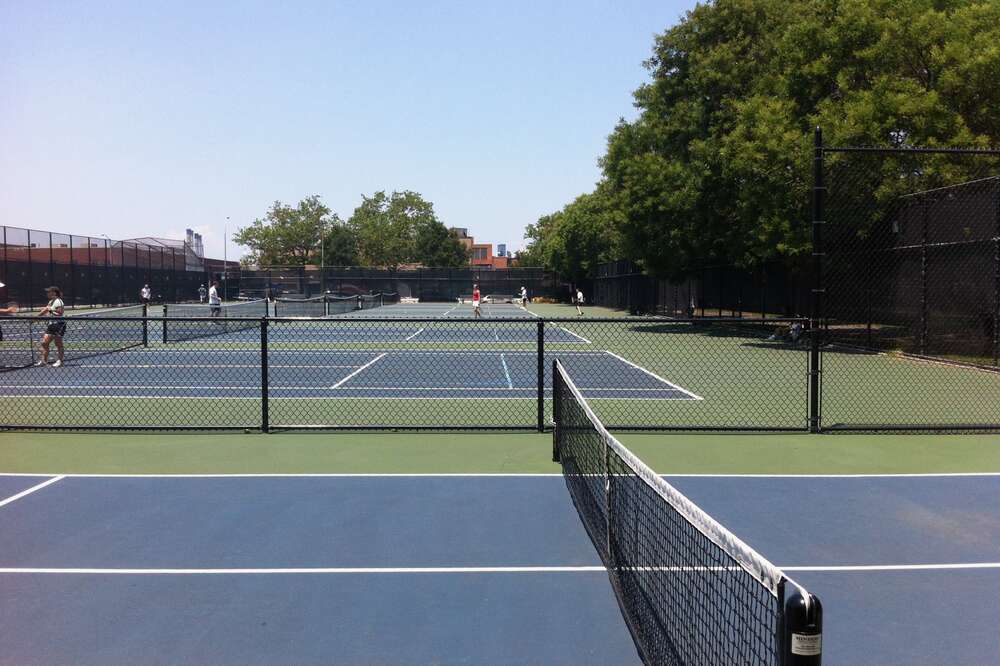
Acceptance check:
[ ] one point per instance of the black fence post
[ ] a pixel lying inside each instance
(923, 277)
(541, 375)
(164, 323)
(996, 281)
(818, 221)
(265, 423)
(145, 325)
(556, 410)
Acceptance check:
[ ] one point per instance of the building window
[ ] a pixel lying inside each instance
(479, 253)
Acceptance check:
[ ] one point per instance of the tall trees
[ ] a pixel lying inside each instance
(716, 167)
(386, 230)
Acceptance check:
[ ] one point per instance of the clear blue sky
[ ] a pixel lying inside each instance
(134, 118)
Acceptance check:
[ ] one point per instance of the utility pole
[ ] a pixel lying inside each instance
(225, 260)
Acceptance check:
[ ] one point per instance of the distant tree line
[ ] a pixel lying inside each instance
(716, 169)
(386, 230)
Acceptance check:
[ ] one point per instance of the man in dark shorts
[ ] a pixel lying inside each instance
(214, 302)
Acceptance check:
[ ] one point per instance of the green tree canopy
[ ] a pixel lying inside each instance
(437, 247)
(289, 236)
(401, 227)
(716, 167)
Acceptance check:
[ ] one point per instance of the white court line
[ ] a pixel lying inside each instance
(653, 375)
(278, 387)
(578, 337)
(303, 570)
(904, 475)
(220, 366)
(506, 372)
(14, 498)
(467, 570)
(369, 363)
(415, 334)
(480, 474)
(296, 475)
(222, 353)
(897, 567)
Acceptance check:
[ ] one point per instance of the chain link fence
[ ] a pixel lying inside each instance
(770, 290)
(402, 373)
(426, 284)
(910, 304)
(97, 272)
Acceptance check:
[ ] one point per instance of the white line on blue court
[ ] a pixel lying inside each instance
(466, 570)
(392, 475)
(119, 366)
(303, 570)
(415, 334)
(23, 493)
(652, 374)
(506, 372)
(366, 365)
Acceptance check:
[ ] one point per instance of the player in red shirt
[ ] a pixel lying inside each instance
(475, 301)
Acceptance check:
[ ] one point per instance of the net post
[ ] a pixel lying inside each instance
(145, 325)
(265, 425)
(819, 190)
(541, 375)
(801, 626)
(164, 323)
(557, 389)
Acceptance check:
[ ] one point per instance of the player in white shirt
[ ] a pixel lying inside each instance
(214, 302)
(145, 294)
(579, 302)
(55, 330)
(524, 296)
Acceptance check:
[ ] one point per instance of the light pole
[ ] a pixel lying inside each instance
(225, 260)
(322, 257)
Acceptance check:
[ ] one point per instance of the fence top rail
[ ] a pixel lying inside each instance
(904, 151)
(437, 320)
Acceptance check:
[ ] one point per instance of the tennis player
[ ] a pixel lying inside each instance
(524, 296)
(202, 294)
(7, 307)
(579, 302)
(214, 302)
(475, 301)
(145, 294)
(56, 329)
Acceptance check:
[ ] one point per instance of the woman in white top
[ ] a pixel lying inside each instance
(145, 294)
(56, 329)
(579, 302)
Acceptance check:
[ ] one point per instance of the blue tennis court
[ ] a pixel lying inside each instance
(186, 372)
(460, 568)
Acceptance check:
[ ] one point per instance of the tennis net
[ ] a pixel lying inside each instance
(300, 307)
(369, 301)
(228, 320)
(86, 334)
(691, 592)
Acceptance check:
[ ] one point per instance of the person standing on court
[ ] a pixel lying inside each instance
(214, 302)
(145, 294)
(475, 301)
(579, 302)
(55, 330)
(6, 308)
(524, 296)
(202, 294)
